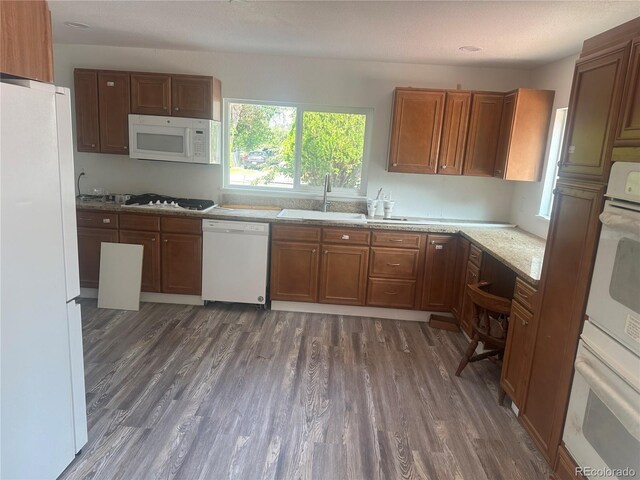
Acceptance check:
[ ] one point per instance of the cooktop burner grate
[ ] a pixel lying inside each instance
(153, 199)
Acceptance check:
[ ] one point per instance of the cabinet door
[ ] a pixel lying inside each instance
(150, 94)
(343, 274)
(439, 272)
(89, 243)
(85, 85)
(484, 131)
(192, 96)
(25, 40)
(506, 123)
(454, 133)
(593, 113)
(181, 263)
(150, 258)
(113, 93)
(517, 352)
(629, 124)
(459, 282)
(568, 264)
(294, 271)
(415, 131)
(472, 275)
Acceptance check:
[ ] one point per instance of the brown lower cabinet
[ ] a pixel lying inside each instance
(181, 263)
(89, 243)
(439, 272)
(568, 263)
(343, 274)
(294, 270)
(565, 467)
(172, 255)
(151, 257)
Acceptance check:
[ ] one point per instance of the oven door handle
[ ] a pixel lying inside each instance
(619, 406)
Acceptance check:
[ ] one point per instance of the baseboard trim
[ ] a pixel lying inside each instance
(153, 297)
(375, 312)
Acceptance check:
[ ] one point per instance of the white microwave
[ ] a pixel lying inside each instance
(173, 139)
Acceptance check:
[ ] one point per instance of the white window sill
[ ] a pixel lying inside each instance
(543, 217)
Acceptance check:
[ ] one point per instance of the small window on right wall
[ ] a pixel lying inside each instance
(551, 174)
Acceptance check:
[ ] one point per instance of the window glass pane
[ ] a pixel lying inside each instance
(559, 124)
(332, 143)
(259, 136)
(154, 142)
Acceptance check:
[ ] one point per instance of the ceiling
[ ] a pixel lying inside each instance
(520, 34)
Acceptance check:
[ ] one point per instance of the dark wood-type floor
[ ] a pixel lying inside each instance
(228, 391)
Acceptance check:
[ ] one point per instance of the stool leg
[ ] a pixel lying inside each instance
(468, 354)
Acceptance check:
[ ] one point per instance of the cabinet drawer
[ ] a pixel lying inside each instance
(97, 219)
(524, 294)
(345, 235)
(294, 233)
(394, 263)
(394, 239)
(391, 293)
(181, 225)
(147, 223)
(475, 255)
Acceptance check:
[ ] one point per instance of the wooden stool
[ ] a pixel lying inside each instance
(487, 308)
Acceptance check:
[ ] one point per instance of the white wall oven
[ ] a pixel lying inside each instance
(173, 139)
(602, 429)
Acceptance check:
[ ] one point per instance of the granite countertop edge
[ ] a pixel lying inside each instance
(497, 241)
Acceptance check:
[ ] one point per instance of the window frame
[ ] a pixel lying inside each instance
(551, 173)
(297, 189)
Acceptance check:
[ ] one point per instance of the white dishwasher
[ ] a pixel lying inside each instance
(234, 261)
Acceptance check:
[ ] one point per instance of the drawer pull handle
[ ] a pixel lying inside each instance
(396, 240)
(313, 251)
(345, 237)
(393, 264)
(390, 293)
(153, 239)
(106, 220)
(523, 294)
(439, 247)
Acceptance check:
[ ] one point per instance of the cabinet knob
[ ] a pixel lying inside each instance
(176, 109)
(395, 164)
(326, 251)
(93, 145)
(443, 167)
(499, 172)
(164, 108)
(524, 322)
(153, 239)
(166, 241)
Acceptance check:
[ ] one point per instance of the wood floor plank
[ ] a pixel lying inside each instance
(227, 391)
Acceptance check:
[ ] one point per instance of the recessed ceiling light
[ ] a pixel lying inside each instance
(470, 48)
(77, 25)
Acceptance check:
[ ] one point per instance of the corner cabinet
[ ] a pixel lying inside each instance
(484, 134)
(592, 121)
(415, 131)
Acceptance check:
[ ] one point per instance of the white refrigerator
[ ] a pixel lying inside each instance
(42, 396)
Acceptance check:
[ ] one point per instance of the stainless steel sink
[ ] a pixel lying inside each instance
(322, 216)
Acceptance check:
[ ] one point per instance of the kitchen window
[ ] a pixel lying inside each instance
(551, 175)
(284, 147)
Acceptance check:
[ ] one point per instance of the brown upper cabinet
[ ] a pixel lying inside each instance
(25, 40)
(113, 105)
(594, 106)
(629, 124)
(104, 99)
(484, 133)
(453, 141)
(526, 114)
(415, 132)
(87, 116)
(150, 94)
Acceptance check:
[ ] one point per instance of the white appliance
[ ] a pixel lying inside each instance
(174, 139)
(614, 299)
(234, 261)
(602, 429)
(42, 395)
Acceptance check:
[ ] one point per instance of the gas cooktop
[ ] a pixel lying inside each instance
(153, 200)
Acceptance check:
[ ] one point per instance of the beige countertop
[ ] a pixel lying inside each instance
(517, 249)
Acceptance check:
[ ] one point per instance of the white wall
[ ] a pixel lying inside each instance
(308, 80)
(526, 195)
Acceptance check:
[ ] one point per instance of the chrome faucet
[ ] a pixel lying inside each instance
(327, 189)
